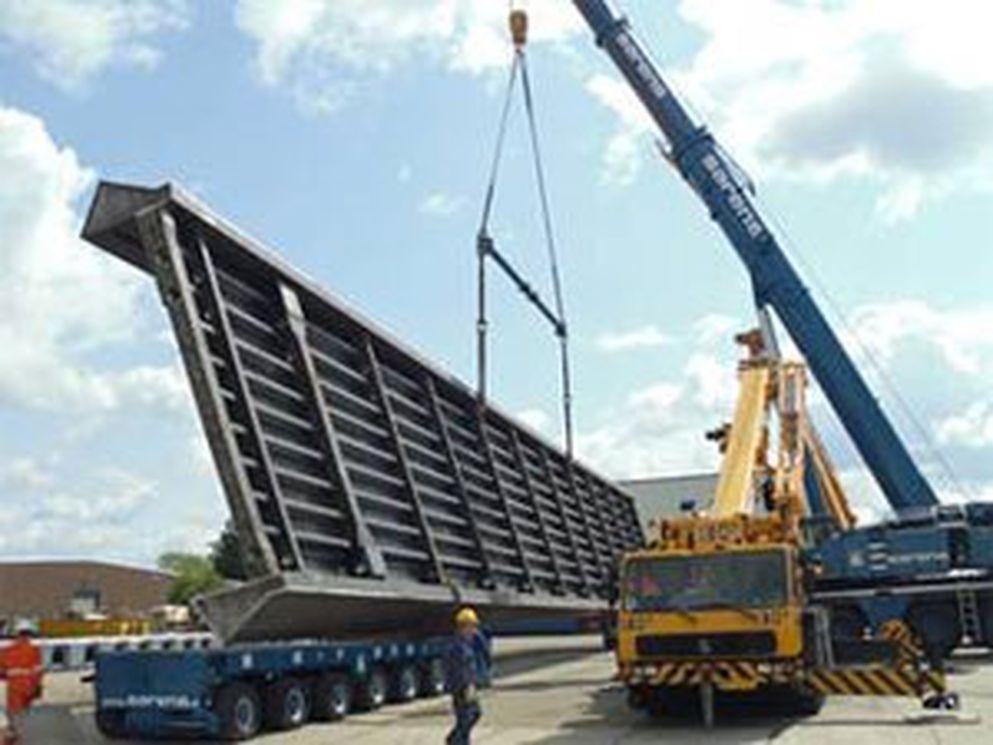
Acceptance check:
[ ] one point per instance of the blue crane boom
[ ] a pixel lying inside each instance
(718, 182)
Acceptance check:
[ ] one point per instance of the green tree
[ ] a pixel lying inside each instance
(192, 576)
(225, 555)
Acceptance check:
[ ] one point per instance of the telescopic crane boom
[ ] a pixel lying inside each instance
(716, 179)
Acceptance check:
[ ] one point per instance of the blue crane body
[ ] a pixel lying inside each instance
(932, 564)
(714, 176)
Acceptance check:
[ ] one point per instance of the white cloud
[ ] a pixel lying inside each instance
(116, 496)
(87, 515)
(59, 299)
(716, 328)
(25, 474)
(898, 95)
(646, 337)
(972, 428)
(628, 147)
(536, 419)
(963, 336)
(864, 496)
(201, 457)
(107, 513)
(322, 51)
(441, 204)
(659, 429)
(70, 41)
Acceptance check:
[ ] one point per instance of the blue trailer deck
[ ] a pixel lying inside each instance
(233, 693)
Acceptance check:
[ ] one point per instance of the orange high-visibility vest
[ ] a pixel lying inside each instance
(20, 664)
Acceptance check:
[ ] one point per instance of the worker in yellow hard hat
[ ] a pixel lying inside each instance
(464, 675)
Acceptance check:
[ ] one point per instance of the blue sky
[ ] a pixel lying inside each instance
(354, 138)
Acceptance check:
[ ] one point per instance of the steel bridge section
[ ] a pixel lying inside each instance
(345, 457)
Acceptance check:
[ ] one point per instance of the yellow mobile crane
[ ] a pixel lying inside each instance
(718, 600)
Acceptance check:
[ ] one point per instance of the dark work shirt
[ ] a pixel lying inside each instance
(461, 663)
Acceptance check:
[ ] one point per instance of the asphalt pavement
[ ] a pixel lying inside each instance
(559, 691)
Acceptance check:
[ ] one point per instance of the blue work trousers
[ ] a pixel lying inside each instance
(466, 717)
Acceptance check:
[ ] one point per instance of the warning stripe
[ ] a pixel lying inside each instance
(900, 633)
(727, 672)
(745, 670)
(879, 684)
(669, 672)
(898, 682)
(874, 681)
(936, 680)
(680, 675)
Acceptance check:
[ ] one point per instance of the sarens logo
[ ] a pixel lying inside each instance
(739, 206)
(149, 701)
(642, 66)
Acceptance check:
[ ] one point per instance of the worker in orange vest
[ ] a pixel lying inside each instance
(20, 666)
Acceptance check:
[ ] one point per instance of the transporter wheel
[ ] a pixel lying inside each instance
(371, 693)
(110, 723)
(332, 697)
(238, 706)
(287, 704)
(433, 681)
(404, 684)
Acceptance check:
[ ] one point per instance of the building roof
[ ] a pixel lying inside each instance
(6, 562)
(662, 496)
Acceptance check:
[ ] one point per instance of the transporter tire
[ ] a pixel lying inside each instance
(370, 694)
(238, 706)
(332, 697)
(405, 683)
(110, 723)
(287, 704)
(433, 681)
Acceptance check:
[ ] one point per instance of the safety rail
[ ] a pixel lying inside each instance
(79, 653)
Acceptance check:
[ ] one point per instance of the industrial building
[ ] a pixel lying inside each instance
(57, 589)
(666, 496)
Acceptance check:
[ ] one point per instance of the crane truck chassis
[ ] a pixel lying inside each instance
(720, 601)
(931, 566)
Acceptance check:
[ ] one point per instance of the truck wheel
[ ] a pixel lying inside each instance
(986, 618)
(110, 722)
(433, 680)
(937, 625)
(287, 704)
(404, 684)
(371, 693)
(637, 699)
(239, 709)
(807, 702)
(332, 697)
(848, 622)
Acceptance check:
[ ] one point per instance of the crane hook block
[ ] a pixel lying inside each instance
(519, 27)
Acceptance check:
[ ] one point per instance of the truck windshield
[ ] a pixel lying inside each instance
(737, 580)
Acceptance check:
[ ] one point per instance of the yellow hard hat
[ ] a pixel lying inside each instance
(466, 617)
